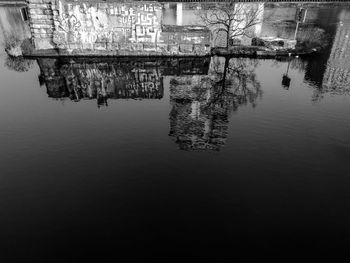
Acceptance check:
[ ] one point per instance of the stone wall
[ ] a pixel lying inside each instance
(42, 14)
(114, 27)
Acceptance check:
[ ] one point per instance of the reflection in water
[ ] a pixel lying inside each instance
(329, 70)
(235, 81)
(203, 93)
(336, 79)
(122, 79)
(334, 21)
(195, 122)
(202, 96)
(115, 176)
(327, 19)
(201, 105)
(100, 80)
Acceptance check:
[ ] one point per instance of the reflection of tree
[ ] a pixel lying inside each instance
(202, 104)
(234, 81)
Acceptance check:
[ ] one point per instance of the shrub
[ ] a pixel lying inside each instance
(11, 41)
(18, 64)
(12, 44)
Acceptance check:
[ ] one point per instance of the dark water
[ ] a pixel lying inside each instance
(159, 157)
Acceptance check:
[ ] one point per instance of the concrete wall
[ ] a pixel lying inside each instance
(11, 23)
(124, 27)
(93, 25)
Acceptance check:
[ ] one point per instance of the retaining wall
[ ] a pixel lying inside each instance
(118, 28)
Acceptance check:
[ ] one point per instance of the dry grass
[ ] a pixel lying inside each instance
(11, 41)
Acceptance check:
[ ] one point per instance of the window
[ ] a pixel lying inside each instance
(24, 13)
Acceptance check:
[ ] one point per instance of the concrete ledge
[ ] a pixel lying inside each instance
(11, 3)
(103, 53)
(259, 52)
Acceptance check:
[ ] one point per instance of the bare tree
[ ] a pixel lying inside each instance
(232, 17)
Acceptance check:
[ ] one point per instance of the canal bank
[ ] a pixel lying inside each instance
(111, 29)
(101, 155)
(153, 29)
(244, 52)
(12, 3)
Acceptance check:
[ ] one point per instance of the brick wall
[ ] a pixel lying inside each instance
(42, 14)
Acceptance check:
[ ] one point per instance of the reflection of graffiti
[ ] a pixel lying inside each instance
(99, 80)
(105, 79)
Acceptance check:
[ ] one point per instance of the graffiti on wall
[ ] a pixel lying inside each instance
(92, 24)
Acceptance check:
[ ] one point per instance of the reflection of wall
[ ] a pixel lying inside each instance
(327, 19)
(337, 76)
(101, 80)
(196, 122)
(104, 79)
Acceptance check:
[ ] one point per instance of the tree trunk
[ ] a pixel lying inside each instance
(228, 36)
(227, 41)
(227, 60)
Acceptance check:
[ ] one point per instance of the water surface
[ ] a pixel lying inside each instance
(158, 155)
